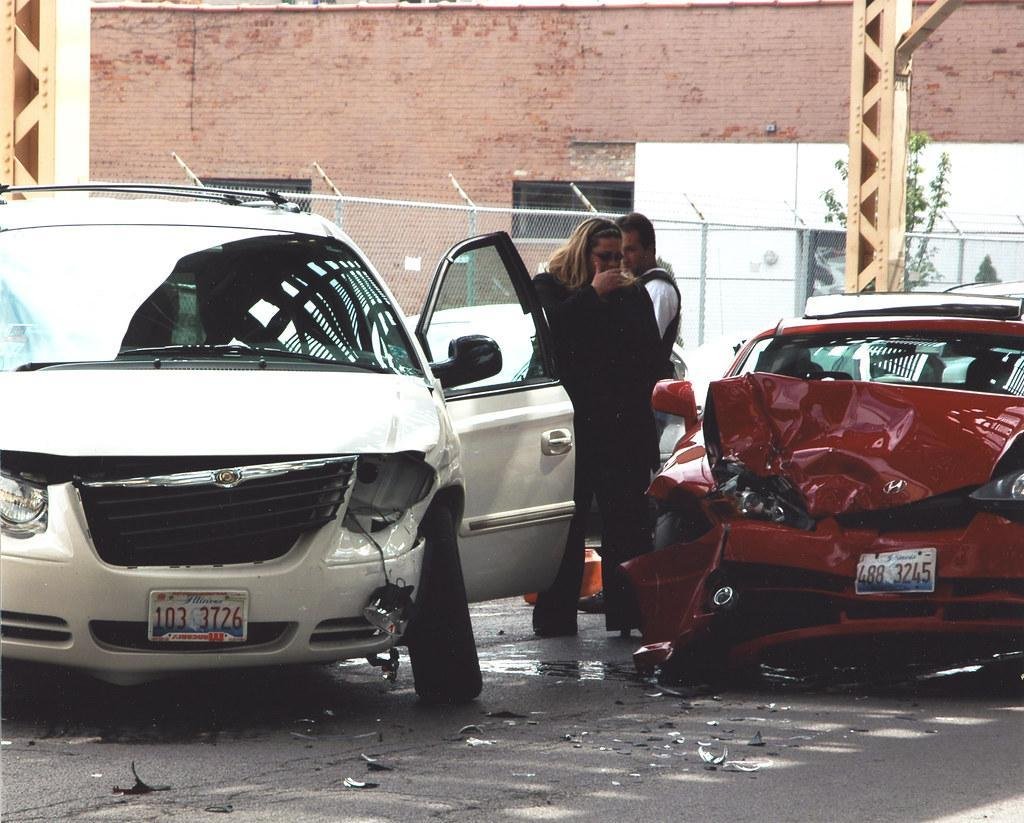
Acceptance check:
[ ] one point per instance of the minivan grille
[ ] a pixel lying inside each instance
(188, 519)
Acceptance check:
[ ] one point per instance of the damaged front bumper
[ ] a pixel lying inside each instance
(750, 591)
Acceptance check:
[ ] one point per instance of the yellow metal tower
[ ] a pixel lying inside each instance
(44, 69)
(883, 42)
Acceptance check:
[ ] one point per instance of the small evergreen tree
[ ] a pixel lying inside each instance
(986, 272)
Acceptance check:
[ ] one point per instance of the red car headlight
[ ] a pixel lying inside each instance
(1006, 492)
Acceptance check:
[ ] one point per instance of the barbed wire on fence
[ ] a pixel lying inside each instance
(735, 278)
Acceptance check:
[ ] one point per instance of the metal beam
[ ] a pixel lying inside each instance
(878, 147)
(44, 91)
(884, 39)
(922, 29)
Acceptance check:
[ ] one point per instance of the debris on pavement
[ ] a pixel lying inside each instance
(709, 756)
(504, 713)
(756, 740)
(350, 783)
(223, 808)
(472, 727)
(374, 765)
(476, 741)
(740, 766)
(140, 787)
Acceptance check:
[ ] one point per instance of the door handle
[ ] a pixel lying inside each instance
(556, 441)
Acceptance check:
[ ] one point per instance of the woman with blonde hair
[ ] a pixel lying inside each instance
(607, 349)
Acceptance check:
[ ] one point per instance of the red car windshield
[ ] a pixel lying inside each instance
(981, 363)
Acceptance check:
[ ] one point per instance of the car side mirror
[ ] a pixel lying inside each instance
(676, 397)
(470, 358)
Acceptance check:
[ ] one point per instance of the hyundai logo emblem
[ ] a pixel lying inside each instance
(894, 486)
(227, 478)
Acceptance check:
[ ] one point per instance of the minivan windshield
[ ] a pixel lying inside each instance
(116, 292)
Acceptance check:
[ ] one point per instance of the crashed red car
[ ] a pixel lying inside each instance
(855, 485)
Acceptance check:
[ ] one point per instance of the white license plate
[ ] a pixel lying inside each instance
(909, 570)
(208, 617)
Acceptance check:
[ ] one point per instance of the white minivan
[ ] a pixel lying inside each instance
(223, 446)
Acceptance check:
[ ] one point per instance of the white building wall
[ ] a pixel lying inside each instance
(748, 278)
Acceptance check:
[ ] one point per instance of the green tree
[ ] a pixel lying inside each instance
(925, 206)
(986, 272)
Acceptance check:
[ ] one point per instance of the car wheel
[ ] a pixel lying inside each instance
(442, 650)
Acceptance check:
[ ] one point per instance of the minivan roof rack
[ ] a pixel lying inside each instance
(231, 197)
(897, 304)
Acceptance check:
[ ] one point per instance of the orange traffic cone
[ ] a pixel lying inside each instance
(591, 576)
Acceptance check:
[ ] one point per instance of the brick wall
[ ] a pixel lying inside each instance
(390, 100)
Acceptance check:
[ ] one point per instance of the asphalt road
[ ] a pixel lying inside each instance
(564, 730)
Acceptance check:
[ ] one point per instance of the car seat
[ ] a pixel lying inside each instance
(988, 373)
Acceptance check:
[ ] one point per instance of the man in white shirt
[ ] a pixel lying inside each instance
(640, 256)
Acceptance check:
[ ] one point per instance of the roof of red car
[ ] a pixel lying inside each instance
(941, 311)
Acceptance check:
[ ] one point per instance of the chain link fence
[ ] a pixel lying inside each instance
(735, 280)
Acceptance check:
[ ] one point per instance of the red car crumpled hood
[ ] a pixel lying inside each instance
(840, 443)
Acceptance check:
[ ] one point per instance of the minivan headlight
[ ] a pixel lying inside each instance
(23, 507)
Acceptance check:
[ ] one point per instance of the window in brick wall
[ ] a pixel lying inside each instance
(605, 195)
(285, 186)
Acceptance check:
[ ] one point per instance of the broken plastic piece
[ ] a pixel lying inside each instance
(708, 756)
(222, 809)
(349, 783)
(388, 608)
(756, 740)
(738, 766)
(476, 741)
(139, 787)
(388, 666)
(374, 765)
(472, 727)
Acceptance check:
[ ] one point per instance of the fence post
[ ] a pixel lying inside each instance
(960, 258)
(803, 273)
(471, 266)
(338, 212)
(702, 282)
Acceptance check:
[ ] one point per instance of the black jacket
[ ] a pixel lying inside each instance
(609, 358)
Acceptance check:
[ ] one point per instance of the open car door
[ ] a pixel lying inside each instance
(515, 426)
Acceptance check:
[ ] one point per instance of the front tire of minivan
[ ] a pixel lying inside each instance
(442, 649)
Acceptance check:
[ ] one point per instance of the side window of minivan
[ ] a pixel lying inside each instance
(477, 297)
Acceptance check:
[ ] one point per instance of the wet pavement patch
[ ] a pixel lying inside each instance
(562, 669)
